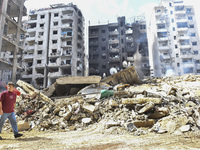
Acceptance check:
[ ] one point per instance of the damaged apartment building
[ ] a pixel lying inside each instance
(54, 45)
(115, 46)
(11, 39)
(173, 39)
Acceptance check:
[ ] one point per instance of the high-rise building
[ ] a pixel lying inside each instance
(173, 39)
(54, 44)
(11, 38)
(114, 46)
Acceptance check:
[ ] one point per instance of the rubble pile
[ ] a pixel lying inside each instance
(161, 105)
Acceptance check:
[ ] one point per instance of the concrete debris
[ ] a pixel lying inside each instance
(160, 105)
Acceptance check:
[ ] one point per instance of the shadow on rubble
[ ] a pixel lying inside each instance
(30, 139)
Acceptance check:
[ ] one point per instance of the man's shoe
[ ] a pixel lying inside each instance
(1, 138)
(18, 135)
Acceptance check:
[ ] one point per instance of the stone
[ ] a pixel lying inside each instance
(23, 126)
(67, 115)
(89, 108)
(147, 107)
(113, 103)
(86, 120)
(131, 127)
(130, 101)
(185, 128)
(144, 123)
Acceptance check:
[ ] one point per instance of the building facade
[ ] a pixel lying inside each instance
(115, 46)
(54, 44)
(173, 39)
(11, 39)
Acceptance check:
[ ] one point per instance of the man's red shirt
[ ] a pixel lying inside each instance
(8, 99)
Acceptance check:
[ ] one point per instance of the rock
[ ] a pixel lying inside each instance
(185, 128)
(67, 115)
(86, 120)
(23, 126)
(146, 123)
(130, 101)
(147, 107)
(113, 103)
(131, 127)
(159, 113)
(89, 108)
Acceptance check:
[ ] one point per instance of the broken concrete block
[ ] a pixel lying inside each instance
(147, 107)
(86, 120)
(121, 94)
(144, 123)
(131, 127)
(159, 113)
(130, 101)
(88, 107)
(23, 126)
(67, 115)
(111, 123)
(57, 110)
(185, 128)
(113, 103)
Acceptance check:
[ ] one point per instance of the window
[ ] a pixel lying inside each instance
(69, 42)
(54, 41)
(42, 16)
(40, 42)
(122, 32)
(42, 25)
(194, 43)
(171, 12)
(55, 23)
(39, 52)
(103, 31)
(192, 34)
(177, 55)
(172, 20)
(178, 64)
(176, 46)
(182, 25)
(190, 18)
(103, 48)
(196, 52)
(56, 15)
(41, 33)
(54, 50)
(170, 4)
(55, 32)
(173, 28)
(39, 61)
(191, 26)
(174, 37)
(122, 41)
(103, 39)
(103, 66)
(142, 27)
(103, 57)
(158, 11)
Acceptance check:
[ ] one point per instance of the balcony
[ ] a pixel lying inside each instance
(65, 66)
(39, 75)
(129, 40)
(160, 22)
(53, 74)
(40, 65)
(185, 56)
(66, 17)
(184, 29)
(185, 46)
(130, 59)
(181, 20)
(162, 30)
(113, 32)
(163, 38)
(29, 76)
(163, 48)
(53, 65)
(184, 37)
(65, 36)
(180, 12)
(114, 59)
(116, 41)
(28, 56)
(197, 66)
(129, 32)
(166, 57)
(114, 50)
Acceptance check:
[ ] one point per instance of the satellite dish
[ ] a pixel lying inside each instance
(113, 71)
(124, 64)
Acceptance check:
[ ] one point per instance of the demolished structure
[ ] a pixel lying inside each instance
(160, 105)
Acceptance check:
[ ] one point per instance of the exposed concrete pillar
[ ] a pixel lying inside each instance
(17, 41)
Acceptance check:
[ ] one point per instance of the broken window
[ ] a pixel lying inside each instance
(41, 33)
(55, 23)
(39, 52)
(194, 43)
(39, 61)
(54, 41)
(190, 18)
(42, 25)
(40, 42)
(192, 34)
(69, 42)
(55, 32)
(103, 31)
(191, 26)
(196, 52)
(42, 16)
(56, 15)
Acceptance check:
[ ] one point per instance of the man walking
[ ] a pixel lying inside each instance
(7, 108)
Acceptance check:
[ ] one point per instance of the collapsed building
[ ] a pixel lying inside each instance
(54, 45)
(114, 46)
(173, 39)
(11, 39)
